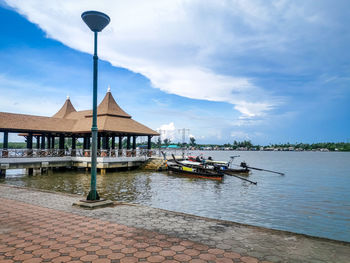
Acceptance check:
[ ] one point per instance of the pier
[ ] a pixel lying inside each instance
(51, 142)
(41, 164)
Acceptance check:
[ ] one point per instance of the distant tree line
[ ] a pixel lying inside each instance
(246, 144)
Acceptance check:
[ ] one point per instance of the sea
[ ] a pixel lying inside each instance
(313, 197)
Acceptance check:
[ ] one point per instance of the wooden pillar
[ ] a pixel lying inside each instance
(48, 141)
(120, 145)
(61, 142)
(105, 145)
(5, 147)
(105, 142)
(30, 141)
(133, 152)
(113, 142)
(128, 151)
(128, 142)
(30, 144)
(43, 141)
(6, 140)
(134, 142)
(73, 142)
(61, 149)
(86, 145)
(149, 145)
(85, 142)
(38, 141)
(88, 141)
(73, 152)
(53, 142)
(98, 141)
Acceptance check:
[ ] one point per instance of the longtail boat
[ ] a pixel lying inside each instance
(193, 170)
(225, 167)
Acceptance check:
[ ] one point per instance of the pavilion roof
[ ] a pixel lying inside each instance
(111, 119)
(66, 109)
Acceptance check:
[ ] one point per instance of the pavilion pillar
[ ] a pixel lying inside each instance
(5, 147)
(88, 142)
(30, 144)
(86, 145)
(6, 140)
(43, 141)
(61, 141)
(128, 142)
(105, 145)
(113, 145)
(73, 153)
(73, 142)
(113, 142)
(85, 138)
(149, 145)
(149, 142)
(98, 141)
(133, 153)
(53, 142)
(128, 152)
(30, 141)
(61, 145)
(48, 141)
(37, 141)
(120, 146)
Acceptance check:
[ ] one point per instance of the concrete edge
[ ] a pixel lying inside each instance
(223, 222)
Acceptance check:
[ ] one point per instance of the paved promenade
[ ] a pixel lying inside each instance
(37, 226)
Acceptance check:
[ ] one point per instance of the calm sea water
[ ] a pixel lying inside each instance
(312, 198)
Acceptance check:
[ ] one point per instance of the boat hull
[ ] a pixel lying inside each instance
(243, 172)
(192, 172)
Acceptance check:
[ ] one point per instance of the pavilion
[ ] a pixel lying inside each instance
(112, 122)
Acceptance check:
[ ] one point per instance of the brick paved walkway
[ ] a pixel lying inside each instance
(37, 226)
(35, 234)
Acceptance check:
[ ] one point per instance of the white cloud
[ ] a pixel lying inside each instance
(167, 131)
(173, 43)
(251, 110)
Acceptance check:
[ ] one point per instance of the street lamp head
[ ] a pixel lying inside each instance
(95, 20)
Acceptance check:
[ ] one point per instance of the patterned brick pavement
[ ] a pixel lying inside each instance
(30, 233)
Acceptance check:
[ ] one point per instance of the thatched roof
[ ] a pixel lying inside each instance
(66, 109)
(111, 119)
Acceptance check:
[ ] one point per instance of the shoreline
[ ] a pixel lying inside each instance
(223, 221)
(248, 241)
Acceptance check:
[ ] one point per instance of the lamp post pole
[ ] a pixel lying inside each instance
(96, 21)
(93, 195)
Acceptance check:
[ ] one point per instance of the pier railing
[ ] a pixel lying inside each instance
(36, 153)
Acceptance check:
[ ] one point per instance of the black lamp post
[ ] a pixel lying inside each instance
(96, 21)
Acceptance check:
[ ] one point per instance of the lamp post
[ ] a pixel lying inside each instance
(96, 21)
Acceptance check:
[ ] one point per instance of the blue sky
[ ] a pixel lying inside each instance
(270, 72)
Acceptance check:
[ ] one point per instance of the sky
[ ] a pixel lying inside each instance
(265, 71)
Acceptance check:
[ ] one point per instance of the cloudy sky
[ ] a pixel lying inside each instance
(267, 71)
